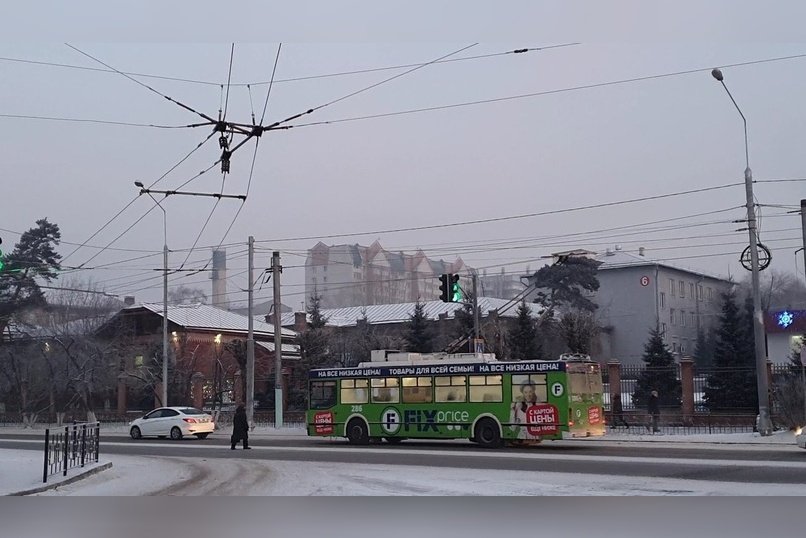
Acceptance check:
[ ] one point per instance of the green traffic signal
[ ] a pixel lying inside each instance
(456, 291)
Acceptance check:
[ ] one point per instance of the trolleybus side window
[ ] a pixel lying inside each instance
(354, 391)
(451, 388)
(417, 390)
(385, 390)
(486, 388)
(323, 394)
(529, 388)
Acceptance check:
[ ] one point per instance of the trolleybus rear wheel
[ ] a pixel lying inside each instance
(487, 434)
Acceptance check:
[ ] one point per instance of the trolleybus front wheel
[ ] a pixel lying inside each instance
(487, 434)
(357, 432)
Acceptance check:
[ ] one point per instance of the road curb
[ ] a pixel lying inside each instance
(71, 480)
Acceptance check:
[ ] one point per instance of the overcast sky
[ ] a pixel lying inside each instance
(583, 139)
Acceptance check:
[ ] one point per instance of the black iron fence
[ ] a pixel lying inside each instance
(70, 447)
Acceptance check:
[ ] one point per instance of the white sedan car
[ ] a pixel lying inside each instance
(175, 422)
(801, 439)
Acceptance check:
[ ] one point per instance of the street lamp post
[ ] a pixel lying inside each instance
(764, 421)
(164, 396)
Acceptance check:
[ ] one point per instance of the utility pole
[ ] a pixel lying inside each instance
(165, 321)
(803, 343)
(764, 419)
(250, 340)
(476, 329)
(276, 269)
(803, 226)
(166, 193)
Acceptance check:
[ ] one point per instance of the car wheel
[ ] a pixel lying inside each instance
(135, 433)
(357, 432)
(202, 435)
(487, 434)
(176, 433)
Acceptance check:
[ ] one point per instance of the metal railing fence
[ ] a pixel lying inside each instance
(70, 447)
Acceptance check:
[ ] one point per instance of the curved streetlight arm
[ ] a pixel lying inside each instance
(717, 74)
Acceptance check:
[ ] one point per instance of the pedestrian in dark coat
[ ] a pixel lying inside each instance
(653, 408)
(618, 412)
(240, 429)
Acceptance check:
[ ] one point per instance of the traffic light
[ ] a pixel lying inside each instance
(456, 291)
(444, 288)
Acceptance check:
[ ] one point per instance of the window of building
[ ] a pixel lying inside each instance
(710, 295)
(450, 389)
(486, 388)
(385, 390)
(691, 289)
(417, 390)
(663, 331)
(682, 318)
(682, 287)
(662, 300)
(354, 391)
(671, 287)
(672, 313)
(699, 292)
(693, 319)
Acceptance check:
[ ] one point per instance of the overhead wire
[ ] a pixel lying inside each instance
(510, 217)
(293, 79)
(182, 105)
(91, 120)
(102, 228)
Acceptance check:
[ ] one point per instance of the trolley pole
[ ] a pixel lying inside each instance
(276, 269)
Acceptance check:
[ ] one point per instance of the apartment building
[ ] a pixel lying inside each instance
(637, 294)
(356, 275)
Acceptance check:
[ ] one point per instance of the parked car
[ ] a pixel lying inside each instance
(175, 422)
(801, 439)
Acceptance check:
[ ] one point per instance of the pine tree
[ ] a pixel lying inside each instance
(704, 350)
(732, 383)
(315, 350)
(419, 337)
(33, 259)
(523, 336)
(660, 373)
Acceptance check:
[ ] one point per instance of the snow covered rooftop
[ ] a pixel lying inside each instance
(206, 317)
(401, 312)
(617, 259)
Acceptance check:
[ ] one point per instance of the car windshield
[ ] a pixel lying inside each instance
(190, 411)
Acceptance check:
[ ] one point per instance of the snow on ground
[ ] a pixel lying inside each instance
(161, 475)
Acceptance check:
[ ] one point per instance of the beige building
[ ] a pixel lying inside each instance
(355, 275)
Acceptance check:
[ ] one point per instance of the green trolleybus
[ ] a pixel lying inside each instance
(399, 396)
